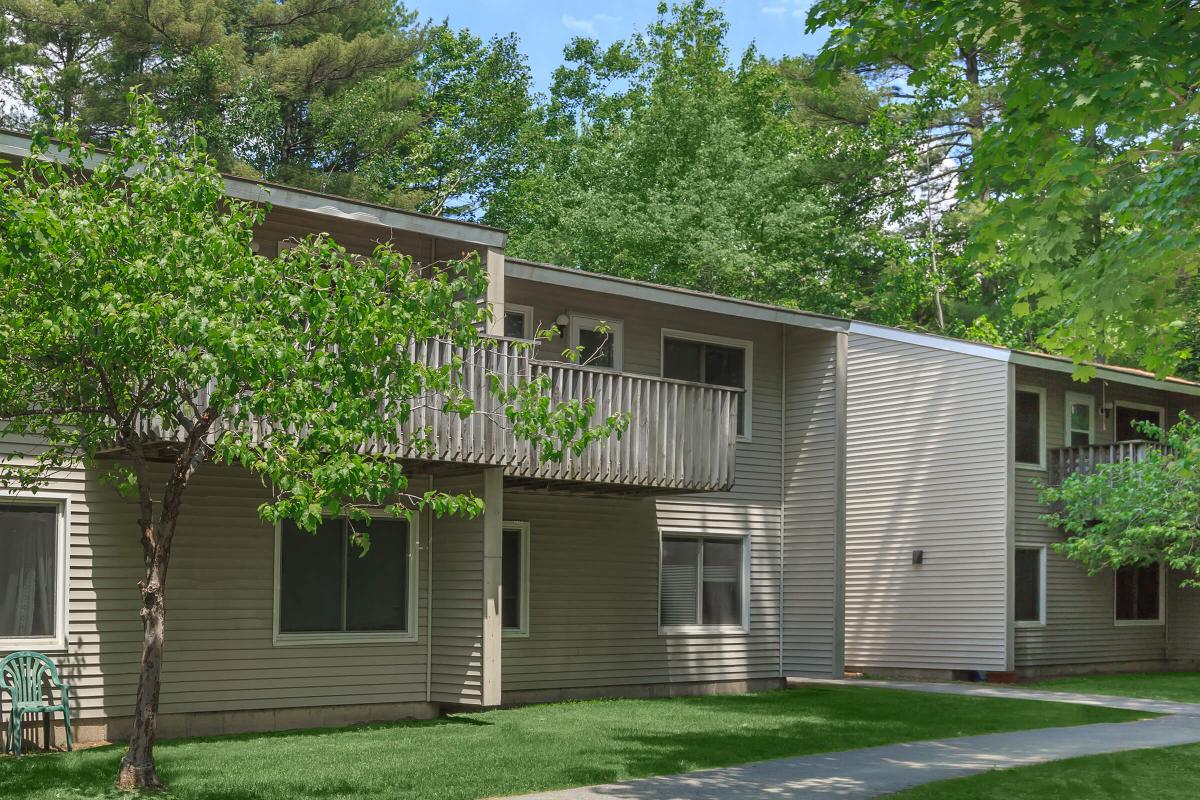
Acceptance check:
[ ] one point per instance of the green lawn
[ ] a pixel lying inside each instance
(1182, 687)
(541, 747)
(1166, 774)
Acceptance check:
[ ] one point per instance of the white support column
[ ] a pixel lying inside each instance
(493, 553)
(495, 291)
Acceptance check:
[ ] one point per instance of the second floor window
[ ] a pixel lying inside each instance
(720, 363)
(1030, 433)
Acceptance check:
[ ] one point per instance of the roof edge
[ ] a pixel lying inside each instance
(17, 144)
(672, 295)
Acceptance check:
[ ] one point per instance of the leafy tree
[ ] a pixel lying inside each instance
(137, 319)
(284, 90)
(1136, 512)
(1088, 166)
(657, 159)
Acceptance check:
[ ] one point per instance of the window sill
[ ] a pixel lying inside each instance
(513, 633)
(703, 630)
(1029, 624)
(1031, 467)
(321, 639)
(45, 645)
(1138, 623)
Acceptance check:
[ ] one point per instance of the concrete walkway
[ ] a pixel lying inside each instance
(879, 771)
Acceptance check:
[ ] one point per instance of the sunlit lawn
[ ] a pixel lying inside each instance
(1181, 687)
(1167, 774)
(541, 747)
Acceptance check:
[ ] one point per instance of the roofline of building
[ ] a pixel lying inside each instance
(1107, 372)
(671, 295)
(17, 144)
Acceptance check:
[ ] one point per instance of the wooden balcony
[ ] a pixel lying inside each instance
(1064, 461)
(681, 436)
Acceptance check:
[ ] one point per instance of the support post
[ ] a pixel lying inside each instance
(493, 554)
(495, 290)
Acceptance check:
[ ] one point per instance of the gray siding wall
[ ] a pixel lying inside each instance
(926, 469)
(1080, 628)
(456, 673)
(814, 527)
(220, 597)
(594, 591)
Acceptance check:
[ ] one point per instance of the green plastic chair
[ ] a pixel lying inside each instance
(23, 675)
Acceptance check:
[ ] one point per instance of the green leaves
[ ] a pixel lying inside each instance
(138, 320)
(1136, 512)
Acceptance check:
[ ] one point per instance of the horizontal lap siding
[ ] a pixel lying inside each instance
(1183, 630)
(457, 655)
(1079, 626)
(926, 456)
(594, 561)
(811, 557)
(220, 596)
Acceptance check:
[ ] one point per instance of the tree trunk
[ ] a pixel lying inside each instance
(137, 767)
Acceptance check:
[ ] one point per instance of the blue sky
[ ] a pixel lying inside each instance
(776, 26)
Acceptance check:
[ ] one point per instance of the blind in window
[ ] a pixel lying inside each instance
(680, 581)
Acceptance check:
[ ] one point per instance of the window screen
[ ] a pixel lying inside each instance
(1137, 590)
(1028, 427)
(28, 570)
(512, 565)
(1027, 593)
(326, 585)
(704, 362)
(701, 581)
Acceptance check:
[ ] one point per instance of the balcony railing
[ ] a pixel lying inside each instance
(1064, 461)
(681, 436)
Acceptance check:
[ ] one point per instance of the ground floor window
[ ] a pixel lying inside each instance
(32, 571)
(514, 579)
(1029, 585)
(326, 587)
(702, 581)
(1139, 594)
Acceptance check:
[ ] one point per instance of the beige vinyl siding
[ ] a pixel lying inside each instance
(926, 469)
(1079, 626)
(456, 674)
(594, 562)
(813, 544)
(1183, 624)
(220, 597)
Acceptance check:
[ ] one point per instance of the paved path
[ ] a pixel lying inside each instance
(879, 771)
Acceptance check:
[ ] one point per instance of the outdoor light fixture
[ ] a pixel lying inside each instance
(918, 556)
(562, 321)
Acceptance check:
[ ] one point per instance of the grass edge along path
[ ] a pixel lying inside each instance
(542, 747)
(1167, 773)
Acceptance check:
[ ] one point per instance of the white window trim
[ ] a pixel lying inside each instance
(1162, 604)
(521, 632)
(524, 311)
(616, 332)
(1162, 411)
(708, 630)
(279, 639)
(57, 642)
(1074, 398)
(744, 344)
(1040, 622)
(1040, 391)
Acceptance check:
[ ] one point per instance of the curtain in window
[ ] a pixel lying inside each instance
(28, 575)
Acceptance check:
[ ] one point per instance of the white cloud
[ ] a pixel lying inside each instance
(587, 24)
(796, 8)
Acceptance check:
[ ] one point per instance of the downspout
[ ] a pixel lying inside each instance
(782, 480)
(429, 607)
